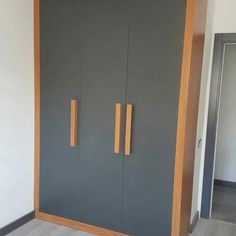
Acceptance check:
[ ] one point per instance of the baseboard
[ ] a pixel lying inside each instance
(17, 223)
(76, 225)
(224, 183)
(194, 222)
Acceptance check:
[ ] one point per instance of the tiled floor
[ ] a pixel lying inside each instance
(224, 204)
(224, 209)
(40, 228)
(214, 228)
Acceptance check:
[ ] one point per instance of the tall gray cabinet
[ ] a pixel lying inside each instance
(100, 53)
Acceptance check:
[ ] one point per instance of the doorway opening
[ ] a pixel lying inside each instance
(219, 182)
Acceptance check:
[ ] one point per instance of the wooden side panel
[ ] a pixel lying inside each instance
(188, 114)
(36, 103)
(77, 225)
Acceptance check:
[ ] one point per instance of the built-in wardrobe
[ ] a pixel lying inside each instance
(110, 73)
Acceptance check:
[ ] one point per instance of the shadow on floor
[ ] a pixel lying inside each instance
(224, 204)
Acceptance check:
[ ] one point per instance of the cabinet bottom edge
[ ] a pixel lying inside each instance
(76, 225)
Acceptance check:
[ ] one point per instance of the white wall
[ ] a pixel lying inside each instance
(17, 109)
(225, 17)
(225, 161)
(221, 19)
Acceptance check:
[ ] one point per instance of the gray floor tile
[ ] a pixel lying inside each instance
(224, 204)
(218, 196)
(230, 198)
(40, 228)
(214, 228)
(27, 228)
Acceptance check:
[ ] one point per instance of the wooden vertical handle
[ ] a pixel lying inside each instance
(118, 108)
(128, 129)
(73, 123)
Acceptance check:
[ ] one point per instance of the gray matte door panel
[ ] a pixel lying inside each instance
(83, 55)
(154, 68)
(104, 30)
(60, 82)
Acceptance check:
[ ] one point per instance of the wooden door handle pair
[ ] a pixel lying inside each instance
(128, 128)
(118, 124)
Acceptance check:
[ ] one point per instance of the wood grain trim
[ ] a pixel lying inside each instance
(73, 123)
(185, 71)
(118, 119)
(128, 129)
(195, 23)
(36, 103)
(77, 225)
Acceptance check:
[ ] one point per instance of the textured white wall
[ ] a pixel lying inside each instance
(225, 161)
(225, 17)
(221, 19)
(17, 109)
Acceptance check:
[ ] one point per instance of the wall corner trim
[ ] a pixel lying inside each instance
(17, 223)
(194, 222)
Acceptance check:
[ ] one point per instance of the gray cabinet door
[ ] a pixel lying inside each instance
(154, 66)
(104, 42)
(59, 83)
(102, 52)
(84, 47)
